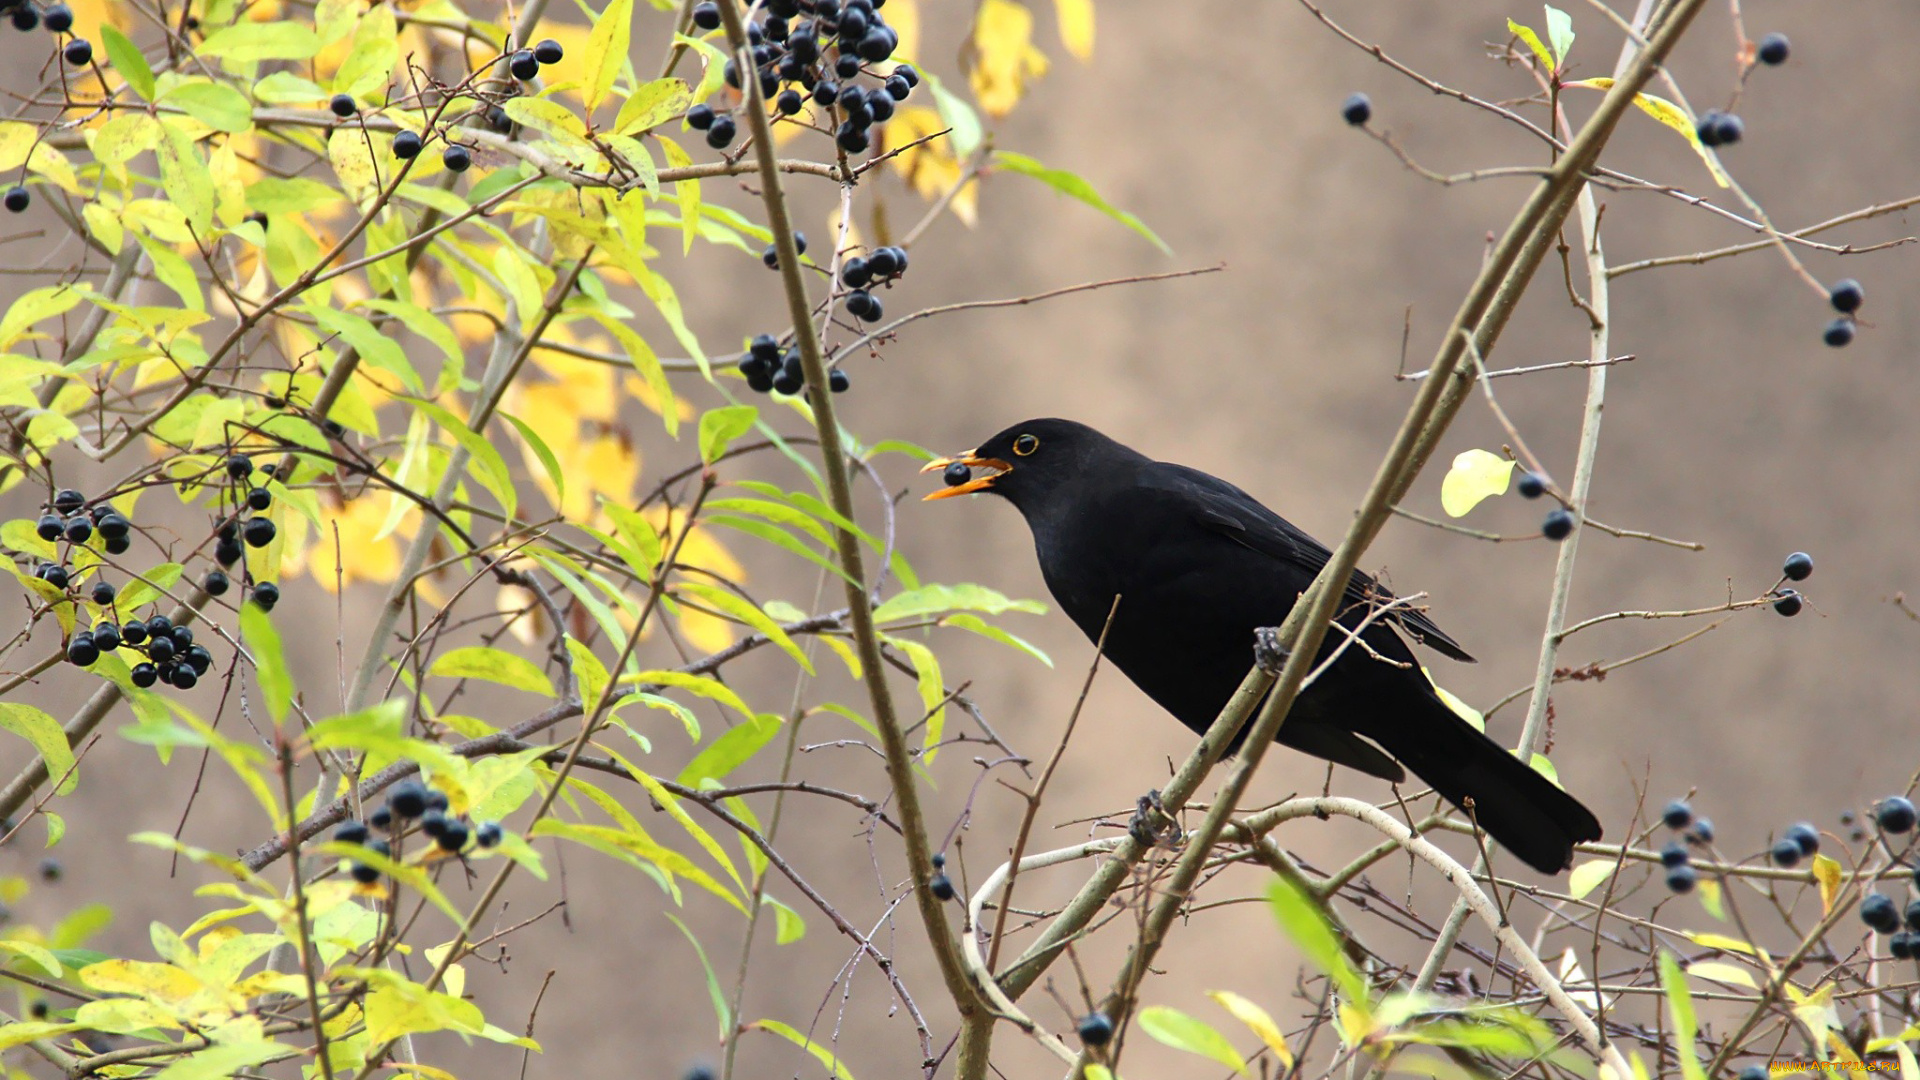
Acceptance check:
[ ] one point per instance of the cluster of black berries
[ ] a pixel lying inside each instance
(245, 526)
(525, 65)
(1716, 128)
(1798, 567)
(58, 17)
(1559, 521)
(407, 801)
(1895, 815)
(940, 885)
(65, 521)
(1678, 816)
(820, 55)
(1846, 297)
(1800, 841)
(767, 368)
(172, 656)
(880, 267)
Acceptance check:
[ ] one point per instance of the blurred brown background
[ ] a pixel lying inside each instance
(1218, 124)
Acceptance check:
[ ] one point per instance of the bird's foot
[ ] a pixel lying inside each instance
(1152, 825)
(1268, 652)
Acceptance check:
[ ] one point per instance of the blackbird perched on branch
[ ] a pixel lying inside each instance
(1199, 565)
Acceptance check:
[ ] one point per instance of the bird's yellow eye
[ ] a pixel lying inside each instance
(1025, 445)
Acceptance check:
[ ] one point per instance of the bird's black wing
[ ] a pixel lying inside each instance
(1220, 507)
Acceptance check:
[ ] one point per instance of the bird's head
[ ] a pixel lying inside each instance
(1026, 463)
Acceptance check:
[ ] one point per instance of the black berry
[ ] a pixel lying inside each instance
(700, 117)
(266, 594)
(106, 635)
(145, 675)
(258, 532)
(791, 377)
(343, 105)
(1798, 567)
(907, 72)
(1880, 913)
(1772, 52)
(898, 87)
(788, 102)
(25, 18)
(79, 52)
(1895, 815)
(1357, 109)
(79, 530)
(863, 305)
(406, 147)
(68, 501)
(877, 45)
(957, 473)
(488, 834)
(82, 650)
(1558, 526)
(764, 347)
(1805, 836)
(524, 65)
(1677, 815)
(1913, 915)
(826, 92)
(433, 822)
(259, 499)
(854, 273)
(50, 527)
(884, 262)
(457, 158)
(1902, 946)
(103, 593)
(1718, 128)
(721, 133)
(228, 551)
(1532, 485)
(706, 15)
(455, 836)
(1846, 296)
(352, 832)
(54, 575)
(548, 51)
(941, 887)
(1786, 853)
(408, 799)
(113, 526)
(1788, 603)
(1839, 332)
(437, 800)
(1095, 1029)
(838, 381)
(133, 632)
(1681, 879)
(1674, 854)
(847, 66)
(216, 583)
(161, 648)
(59, 18)
(51, 870)
(381, 818)
(18, 199)
(364, 874)
(498, 121)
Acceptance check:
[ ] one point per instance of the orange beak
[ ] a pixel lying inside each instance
(978, 483)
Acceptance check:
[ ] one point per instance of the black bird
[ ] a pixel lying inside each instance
(1198, 565)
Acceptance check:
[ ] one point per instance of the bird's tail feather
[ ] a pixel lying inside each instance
(1525, 812)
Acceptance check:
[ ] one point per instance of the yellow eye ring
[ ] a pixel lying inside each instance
(1025, 445)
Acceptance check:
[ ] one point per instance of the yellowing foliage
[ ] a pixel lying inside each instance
(930, 168)
(1002, 56)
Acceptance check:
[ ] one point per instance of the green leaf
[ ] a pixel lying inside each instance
(246, 42)
(727, 752)
(492, 473)
(719, 427)
(290, 195)
(728, 603)
(146, 588)
(47, 737)
(607, 51)
(127, 59)
(541, 451)
(1532, 41)
(823, 1055)
(270, 663)
(651, 105)
(958, 115)
(1685, 1025)
(1588, 876)
(493, 665)
(790, 927)
(1560, 34)
(976, 624)
(1073, 186)
(637, 847)
(714, 993)
(931, 599)
(933, 692)
(1475, 475)
(1183, 1032)
(214, 104)
(1307, 925)
(189, 185)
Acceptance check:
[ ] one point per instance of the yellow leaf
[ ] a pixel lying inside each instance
(1828, 873)
(352, 158)
(607, 50)
(1721, 942)
(1255, 1017)
(1721, 972)
(1588, 875)
(1671, 115)
(1002, 55)
(1532, 40)
(1476, 475)
(1076, 26)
